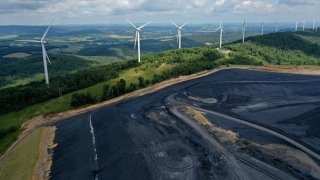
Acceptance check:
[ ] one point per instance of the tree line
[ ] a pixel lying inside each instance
(186, 62)
(16, 98)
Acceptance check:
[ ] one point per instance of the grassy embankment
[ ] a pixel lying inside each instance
(21, 162)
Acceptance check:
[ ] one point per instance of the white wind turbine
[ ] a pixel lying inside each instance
(303, 25)
(277, 27)
(262, 28)
(314, 24)
(243, 31)
(137, 37)
(45, 56)
(297, 23)
(179, 32)
(221, 32)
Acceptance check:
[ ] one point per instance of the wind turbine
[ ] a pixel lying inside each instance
(179, 32)
(243, 30)
(262, 28)
(297, 23)
(45, 56)
(314, 24)
(137, 37)
(303, 25)
(221, 32)
(277, 27)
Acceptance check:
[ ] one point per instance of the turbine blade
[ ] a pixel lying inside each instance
(45, 34)
(174, 24)
(48, 57)
(217, 29)
(130, 22)
(184, 24)
(45, 53)
(144, 25)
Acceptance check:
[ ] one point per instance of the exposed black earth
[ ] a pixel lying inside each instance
(233, 124)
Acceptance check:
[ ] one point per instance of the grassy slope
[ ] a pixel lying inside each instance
(21, 162)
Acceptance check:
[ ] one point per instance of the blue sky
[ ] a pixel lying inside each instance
(36, 12)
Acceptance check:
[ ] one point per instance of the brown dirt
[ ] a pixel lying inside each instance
(305, 70)
(223, 135)
(43, 165)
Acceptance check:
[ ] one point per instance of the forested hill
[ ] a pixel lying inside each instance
(286, 48)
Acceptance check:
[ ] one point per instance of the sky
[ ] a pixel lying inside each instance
(40, 12)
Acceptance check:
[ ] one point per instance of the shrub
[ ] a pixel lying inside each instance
(80, 99)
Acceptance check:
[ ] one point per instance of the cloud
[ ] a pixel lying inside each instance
(296, 2)
(249, 6)
(82, 9)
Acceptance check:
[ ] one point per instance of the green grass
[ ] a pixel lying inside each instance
(19, 165)
(21, 81)
(100, 60)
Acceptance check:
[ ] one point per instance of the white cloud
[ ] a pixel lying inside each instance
(254, 6)
(82, 9)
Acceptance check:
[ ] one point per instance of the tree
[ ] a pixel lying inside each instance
(132, 87)
(80, 99)
(105, 92)
(114, 91)
(141, 81)
(122, 84)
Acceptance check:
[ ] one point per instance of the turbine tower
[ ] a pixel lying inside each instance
(221, 32)
(243, 31)
(262, 28)
(314, 24)
(303, 25)
(137, 37)
(179, 28)
(297, 23)
(45, 56)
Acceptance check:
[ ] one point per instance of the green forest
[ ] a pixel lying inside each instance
(287, 48)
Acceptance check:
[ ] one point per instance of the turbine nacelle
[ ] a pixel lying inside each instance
(179, 28)
(137, 36)
(221, 33)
